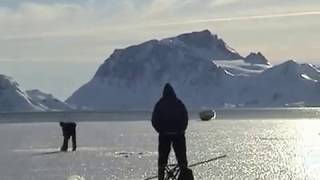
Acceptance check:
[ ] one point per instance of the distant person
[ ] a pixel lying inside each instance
(170, 120)
(68, 130)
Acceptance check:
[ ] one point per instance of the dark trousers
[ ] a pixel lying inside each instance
(66, 137)
(178, 142)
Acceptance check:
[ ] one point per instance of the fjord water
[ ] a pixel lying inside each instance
(258, 144)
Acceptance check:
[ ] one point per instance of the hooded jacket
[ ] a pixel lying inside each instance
(169, 115)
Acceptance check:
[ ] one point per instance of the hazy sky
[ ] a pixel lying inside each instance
(87, 31)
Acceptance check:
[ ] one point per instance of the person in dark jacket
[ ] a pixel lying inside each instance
(68, 130)
(170, 120)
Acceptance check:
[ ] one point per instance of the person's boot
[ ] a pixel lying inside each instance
(74, 143)
(64, 147)
(160, 173)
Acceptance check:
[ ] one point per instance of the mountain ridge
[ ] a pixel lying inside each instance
(195, 64)
(15, 99)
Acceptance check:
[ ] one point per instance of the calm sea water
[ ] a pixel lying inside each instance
(258, 144)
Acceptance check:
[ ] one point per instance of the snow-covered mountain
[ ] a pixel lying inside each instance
(284, 84)
(293, 70)
(12, 98)
(47, 101)
(204, 71)
(133, 77)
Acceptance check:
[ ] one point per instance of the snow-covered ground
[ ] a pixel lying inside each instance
(254, 149)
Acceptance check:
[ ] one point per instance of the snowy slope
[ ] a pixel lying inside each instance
(204, 72)
(48, 101)
(241, 67)
(253, 64)
(293, 70)
(12, 98)
(310, 70)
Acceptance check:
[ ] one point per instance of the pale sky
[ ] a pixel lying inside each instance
(85, 32)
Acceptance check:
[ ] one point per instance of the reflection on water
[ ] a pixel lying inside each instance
(309, 146)
(269, 113)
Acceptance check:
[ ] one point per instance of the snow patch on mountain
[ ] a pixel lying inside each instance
(241, 67)
(311, 71)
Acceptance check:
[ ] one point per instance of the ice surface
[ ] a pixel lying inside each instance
(127, 150)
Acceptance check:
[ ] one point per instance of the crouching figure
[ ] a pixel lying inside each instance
(68, 130)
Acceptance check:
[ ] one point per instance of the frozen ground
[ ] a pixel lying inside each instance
(254, 149)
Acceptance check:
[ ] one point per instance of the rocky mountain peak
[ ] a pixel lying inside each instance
(256, 58)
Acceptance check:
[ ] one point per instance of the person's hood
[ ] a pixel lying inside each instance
(168, 91)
